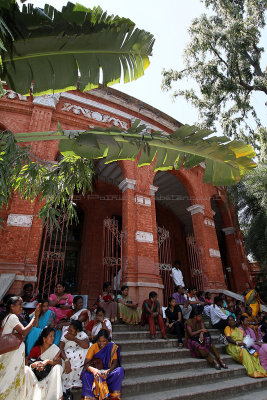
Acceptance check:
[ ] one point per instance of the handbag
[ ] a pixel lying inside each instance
(10, 341)
(40, 375)
(96, 362)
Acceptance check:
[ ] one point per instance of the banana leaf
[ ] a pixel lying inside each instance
(49, 51)
(226, 161)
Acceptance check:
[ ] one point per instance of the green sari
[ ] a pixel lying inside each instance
(241, 355)
(127, 314)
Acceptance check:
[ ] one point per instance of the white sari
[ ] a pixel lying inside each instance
(49, 388)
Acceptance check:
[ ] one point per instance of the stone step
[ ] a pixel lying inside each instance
(181, 379)
(126, 327)
(149, 367)
(139, 335)
(256, 394)
(220, 390)
(129, 355)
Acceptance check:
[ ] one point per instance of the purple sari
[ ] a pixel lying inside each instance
(114, 378)
(193, 343)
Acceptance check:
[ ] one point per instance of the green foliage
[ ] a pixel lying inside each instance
(226, 161)
(57, 51)
(53, 183)
(224, 59)
(250, 198)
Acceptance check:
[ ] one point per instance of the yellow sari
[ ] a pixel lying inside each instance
(241, 355)
(253, 302)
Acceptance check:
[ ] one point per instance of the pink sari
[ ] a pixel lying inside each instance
(60, 314)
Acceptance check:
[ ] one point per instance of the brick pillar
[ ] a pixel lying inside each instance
(206, 240)
(140, 250)
(239, 268)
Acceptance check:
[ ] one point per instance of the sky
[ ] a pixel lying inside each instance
(168, 21)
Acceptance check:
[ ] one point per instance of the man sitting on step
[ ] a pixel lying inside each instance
(152, 314)
(217, 316)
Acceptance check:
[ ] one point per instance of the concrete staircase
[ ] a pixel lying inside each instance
(158, 370)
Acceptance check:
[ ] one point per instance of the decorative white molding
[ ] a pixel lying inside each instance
(10, 94)
(196, 208)
(203, 164)
(28, 278)
(229, 231)
(127, 184)
(91, 114)
(215, 253)
(144, 201)
(48, 100)
(153, 190)
(144, 237)
(144, 284)
(21, 220)
(107, 108)
(209, 222)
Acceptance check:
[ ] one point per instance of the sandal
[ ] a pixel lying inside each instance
(223, 365)
(217, 366)
(180, 345)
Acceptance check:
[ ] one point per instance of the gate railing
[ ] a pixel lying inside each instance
(194, 262)
(112, 253)
(165, 263)
(51, 265)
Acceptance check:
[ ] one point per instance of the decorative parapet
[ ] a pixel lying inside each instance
(48, 100)
(196, 208)
(10, 94)
(215, 253)
(142, 200)
(21, 220)
(229, 231)
(153, 190)
(127, 184)
(144, 237)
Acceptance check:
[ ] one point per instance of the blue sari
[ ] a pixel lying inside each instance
(35, 332)
(104, 388)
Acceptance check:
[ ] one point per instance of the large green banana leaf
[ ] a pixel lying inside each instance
(226, 161)
(54, 51)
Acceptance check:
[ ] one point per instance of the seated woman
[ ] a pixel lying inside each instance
(29, 301)
(97, 324)
(46, 318)
(244, 326)
(77, 313)
(194, 301)
(152, 314)
(13, 384)
(108, 302)
(236, 349)
(103, 373)
(127, 311)
(74, 346)
(42, 355)
(174, 320)
(253, 320)
(263, 349)
(252, 299)
(198, 340)
(60, 302)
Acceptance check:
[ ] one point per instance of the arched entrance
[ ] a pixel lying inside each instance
(175, 232)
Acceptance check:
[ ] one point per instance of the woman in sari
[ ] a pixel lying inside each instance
(74, 346)
(103, 374)
(253, 321)
(252, 299)
(198, 340)
(46, 318)
(97, 324)
(245, 327)
(77, 313)
(60, 302)
(236, 349)
(108, 302)
(263, 349)
(13, 384)
(45, 353)
(127, 311)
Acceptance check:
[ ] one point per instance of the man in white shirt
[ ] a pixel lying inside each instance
(217, 316)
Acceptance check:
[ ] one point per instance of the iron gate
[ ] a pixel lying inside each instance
(51, 266)
(112, 253)
(194, 262)
(165, 263)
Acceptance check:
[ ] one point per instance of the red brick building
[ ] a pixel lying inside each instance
(135, 221)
